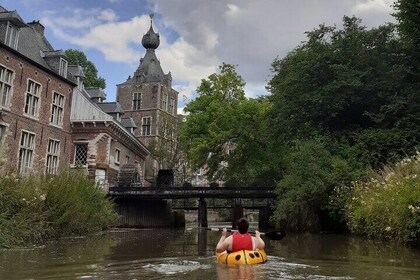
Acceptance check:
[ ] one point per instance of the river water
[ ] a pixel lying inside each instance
(188, 253)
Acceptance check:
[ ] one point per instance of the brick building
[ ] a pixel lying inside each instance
(48, 120)
(149, 99)
(35, 99)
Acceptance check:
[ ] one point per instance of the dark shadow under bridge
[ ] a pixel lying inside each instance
(153, 206)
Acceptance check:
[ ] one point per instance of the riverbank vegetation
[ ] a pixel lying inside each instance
(387, 204)
(36, 208)
(343, 103)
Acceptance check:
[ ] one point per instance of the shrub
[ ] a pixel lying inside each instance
(310, 174)
(36, 208)
(388, 204)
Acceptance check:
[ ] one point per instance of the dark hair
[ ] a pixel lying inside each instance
(243, 225)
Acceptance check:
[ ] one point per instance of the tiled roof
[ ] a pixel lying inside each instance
(11, 16)
(95, 92)
(110, 107)
(128, 122)
(76, 70)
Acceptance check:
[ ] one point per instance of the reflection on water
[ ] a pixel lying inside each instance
(189, 254)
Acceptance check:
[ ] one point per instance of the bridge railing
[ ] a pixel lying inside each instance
(199, 191)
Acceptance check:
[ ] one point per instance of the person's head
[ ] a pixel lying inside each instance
(243, 225)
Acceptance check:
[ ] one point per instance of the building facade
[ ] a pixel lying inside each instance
(149, 99)
(48, 121)
(35, 99)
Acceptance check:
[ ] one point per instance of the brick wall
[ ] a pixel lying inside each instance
(16, 121)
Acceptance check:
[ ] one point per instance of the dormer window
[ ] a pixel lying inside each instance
(12, 35)
(63, 68)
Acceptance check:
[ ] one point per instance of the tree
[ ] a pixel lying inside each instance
(223, 129)
(345, 97)
(408, 17)
(167, 150)
(346, 84)
(76, 57)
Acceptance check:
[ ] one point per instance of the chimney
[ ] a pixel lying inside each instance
(38, 27)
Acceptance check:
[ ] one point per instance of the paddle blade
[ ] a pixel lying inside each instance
(275, 235)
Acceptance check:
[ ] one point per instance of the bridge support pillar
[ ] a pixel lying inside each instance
(237, 211)
(202, 212)
(264, 218)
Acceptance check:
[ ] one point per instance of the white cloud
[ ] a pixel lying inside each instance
(232, 10)
(383, 6)
(247, 33)
(78, 18)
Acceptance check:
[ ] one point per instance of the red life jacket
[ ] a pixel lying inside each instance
(242, 242)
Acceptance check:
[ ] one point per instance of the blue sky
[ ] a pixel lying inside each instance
(196, 35)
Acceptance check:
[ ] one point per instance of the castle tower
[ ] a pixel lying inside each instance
(148, 97)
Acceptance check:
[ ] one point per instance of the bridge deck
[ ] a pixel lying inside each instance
(192, 192)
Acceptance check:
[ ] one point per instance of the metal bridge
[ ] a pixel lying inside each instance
(193, 192)
(199, 198)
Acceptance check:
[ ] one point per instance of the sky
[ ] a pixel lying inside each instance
(196, 36)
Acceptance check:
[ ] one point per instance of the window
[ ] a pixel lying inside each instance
(2, 133)
(137, 96)
(164, 102)
(63, 68)
(146, 126)
(172, 106)
(117, 156)
(53, 154)
(6, 76)
(26, 152)
(57, 109)
(127, 159)
(80, 154)
(32, 98)
(12, 35)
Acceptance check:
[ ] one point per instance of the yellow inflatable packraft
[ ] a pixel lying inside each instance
(242, 257)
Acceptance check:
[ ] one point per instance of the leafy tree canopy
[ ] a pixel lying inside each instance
(346, 84)
(76, 57)
(224, 129)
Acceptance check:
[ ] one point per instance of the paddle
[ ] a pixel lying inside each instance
(273, 235)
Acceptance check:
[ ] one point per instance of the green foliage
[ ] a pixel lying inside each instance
(346, 84)
(309, 177)
(387, 204)
(408, 17)
(76, 205)
(211, 119)
(35, 208)
(166, 150)
(76, 57)
(226, 132)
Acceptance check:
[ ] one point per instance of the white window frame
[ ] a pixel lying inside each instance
(26, 152)
(146, 126)
(6, 86)
(137, 101)
(127, 159)
(12, 35)
(32, 98)
(53, 156)
(57, 109)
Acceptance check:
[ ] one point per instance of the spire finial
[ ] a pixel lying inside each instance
(151, 15)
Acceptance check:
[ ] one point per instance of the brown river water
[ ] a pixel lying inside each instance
(188, 253)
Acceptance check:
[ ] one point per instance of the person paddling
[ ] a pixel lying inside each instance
(240, 240)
